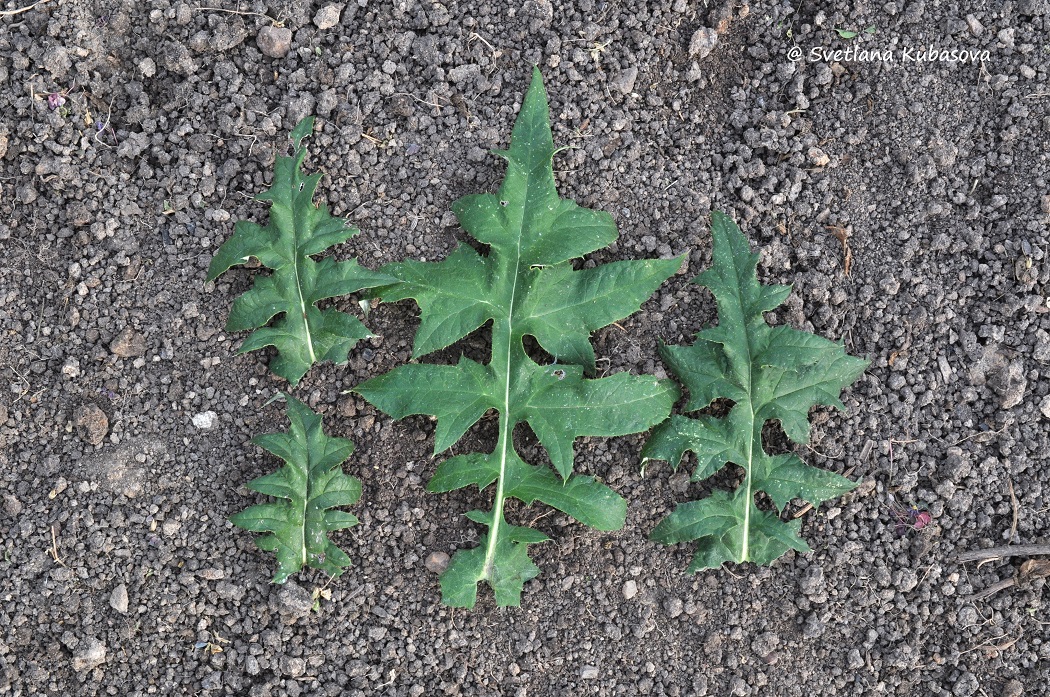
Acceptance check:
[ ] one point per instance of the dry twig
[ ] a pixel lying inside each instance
(11, 13)
(1003, 552)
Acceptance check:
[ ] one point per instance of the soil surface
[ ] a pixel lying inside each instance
(906, 199)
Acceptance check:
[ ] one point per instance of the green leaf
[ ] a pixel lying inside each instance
(769, 373)
(298, 229)
(524, 286)
(312, 484)
(847, 33)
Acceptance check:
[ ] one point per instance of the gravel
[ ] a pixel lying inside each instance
(127, 414)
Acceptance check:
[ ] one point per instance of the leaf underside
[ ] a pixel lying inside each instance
(525, 285)
(298, 229)
(768, 373)
(309, 487)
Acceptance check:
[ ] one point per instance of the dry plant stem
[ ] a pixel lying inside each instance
(276, 22)
(1003, 552)
(993, 589)
(11, 13)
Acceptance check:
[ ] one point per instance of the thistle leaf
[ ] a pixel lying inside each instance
(298, 229)
(524, 285)
(768, 373)
(312, 484)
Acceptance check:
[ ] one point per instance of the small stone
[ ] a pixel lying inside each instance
(118, 599)
(91, 423)
(56, 61)
(625, 79)
(328, 16)
(966, 685)
(967, 617)
(292, 666)
(1013, 688)
(812, 581)
(976, 28)
(128, 344)
(1042, 346)
(212, 681)
(71, 368)
(854, 661)
(148, 67)
(1034, 7)
(91, 653)
(229, 35)
(630, 589)
(674, 607)
(703, 42)
(589, 673)
(818, 157)
(292, 602)
(1045, 406)
(1010, 384)
(765, 643)
(436, 562)
(274, 42)
(12, 506)
(206, 420)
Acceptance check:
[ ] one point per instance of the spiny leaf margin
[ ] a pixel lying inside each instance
(309, 486)
(298, 229)
(525, 285)
(768, 373)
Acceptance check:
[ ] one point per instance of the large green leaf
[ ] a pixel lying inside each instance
(304, 334)
(524, 285)
(769, 373)
(312, 484)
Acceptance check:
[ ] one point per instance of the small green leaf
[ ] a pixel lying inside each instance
(846, 33)
(525, 286)
(769, 374)
(312, 484)
(298, 229)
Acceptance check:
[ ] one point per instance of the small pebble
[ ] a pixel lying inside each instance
(703, 42)
(328, 16)
(589, 673)
(90, 654)
(630, 589)
(624, 80)
(118, 599)
(128, 344)
(274, 42)
(437, 562)
(91, 423)
(206, 420)
(292, 602)
(12, 506)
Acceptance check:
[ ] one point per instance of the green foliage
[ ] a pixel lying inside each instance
(298, 228)
(310, 485)
(768, 373)
(851, 34)
(524, 285)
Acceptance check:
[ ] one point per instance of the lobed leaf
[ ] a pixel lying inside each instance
(298, 229)
(768, 373)
(524, 285)
(311, 484)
